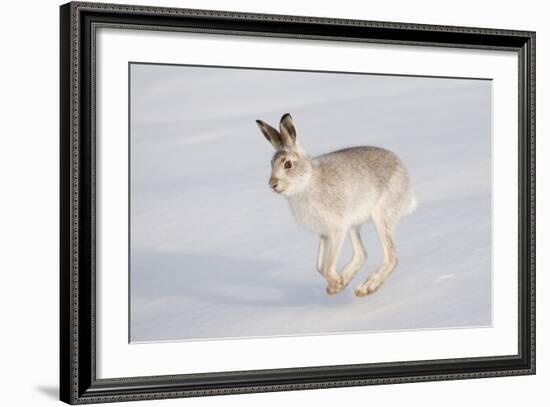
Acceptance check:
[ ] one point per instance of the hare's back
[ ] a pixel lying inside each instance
(375, 165)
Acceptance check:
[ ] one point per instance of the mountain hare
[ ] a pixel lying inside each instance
(335, 193)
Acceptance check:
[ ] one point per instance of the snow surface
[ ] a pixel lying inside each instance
(215, 254)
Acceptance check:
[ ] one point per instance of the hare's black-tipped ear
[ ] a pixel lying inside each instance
(288, 131)
(271, 135)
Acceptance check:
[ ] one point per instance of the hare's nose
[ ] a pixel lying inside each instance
(273, 182)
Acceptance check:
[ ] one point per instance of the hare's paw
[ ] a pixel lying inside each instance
(370, 285)
(332, 291)
(335, 281)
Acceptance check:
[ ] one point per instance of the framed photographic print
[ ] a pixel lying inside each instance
(255, 203)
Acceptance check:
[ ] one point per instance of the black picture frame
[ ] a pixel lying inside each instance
(78, 381)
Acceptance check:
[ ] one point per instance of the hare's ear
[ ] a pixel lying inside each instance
(288, 131)
(271, 135)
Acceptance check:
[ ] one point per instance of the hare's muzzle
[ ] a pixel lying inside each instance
(273, 183)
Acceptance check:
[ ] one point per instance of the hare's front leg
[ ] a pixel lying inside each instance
(321, 256)
(384, 226)
(356, 262)
(335, 240)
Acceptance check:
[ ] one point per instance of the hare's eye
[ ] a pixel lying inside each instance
(288, 165)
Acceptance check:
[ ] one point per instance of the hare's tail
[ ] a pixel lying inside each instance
(413, 203)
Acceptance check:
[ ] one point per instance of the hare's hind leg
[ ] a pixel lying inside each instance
(356, 262)
(384, 222)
